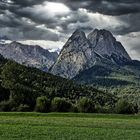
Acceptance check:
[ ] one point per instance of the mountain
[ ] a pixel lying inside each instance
(81, 53)
(29, 55)
(99, 60)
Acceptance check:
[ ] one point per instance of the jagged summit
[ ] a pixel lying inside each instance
(96, 32)
(97, 36)
(76, 39)
(15, 44)
(106, 45)
(81, 52)
(78, 32)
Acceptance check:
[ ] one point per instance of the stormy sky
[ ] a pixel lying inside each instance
(50, 23)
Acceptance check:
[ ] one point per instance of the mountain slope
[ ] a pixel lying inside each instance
(104, 75)
(33, 56)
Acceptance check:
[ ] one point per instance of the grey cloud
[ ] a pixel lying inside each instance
(19, 19)
(16, 27)
(132, 24)
(109, 7)
(28, 34)
(132, 43)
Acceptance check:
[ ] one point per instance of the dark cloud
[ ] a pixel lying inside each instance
(132, 21)
(25, 3)
(109, 7)
(18, 27)
(24, 16)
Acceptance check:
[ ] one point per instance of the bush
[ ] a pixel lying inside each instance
(4, 93)
(74, 108)
(4, 106)
(60, 105)
(42, 104)
(8, 105)
(124, 107)
(104, 109)
(86, 105)
(23, 108)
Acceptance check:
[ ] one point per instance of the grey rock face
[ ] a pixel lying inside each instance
(106, 45)
(74, 56)
(33, 56)
(81, 53)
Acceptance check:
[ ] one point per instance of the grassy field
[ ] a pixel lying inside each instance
(68, 126)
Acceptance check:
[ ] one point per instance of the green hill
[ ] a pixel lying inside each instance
(24, 85)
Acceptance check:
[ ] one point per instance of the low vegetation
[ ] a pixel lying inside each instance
(68, 126)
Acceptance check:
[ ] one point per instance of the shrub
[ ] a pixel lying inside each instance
(4, 106)
(4, 93)
(104, 109)
(8, 105)
(60, 105)
(23, 108)
(74, 108)
(86, 105)
(42, 104)
(124, 107)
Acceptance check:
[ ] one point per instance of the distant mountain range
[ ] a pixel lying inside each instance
(29, 55)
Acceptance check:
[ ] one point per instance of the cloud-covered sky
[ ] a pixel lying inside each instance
(50, 23)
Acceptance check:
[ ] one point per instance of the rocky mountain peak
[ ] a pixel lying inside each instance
(77, 36)
(105, 44)
(81, 53)
(78, 32)
(97, 35)
(14, 44)
(77, 41)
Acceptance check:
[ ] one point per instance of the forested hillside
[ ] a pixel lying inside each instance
(22, 85)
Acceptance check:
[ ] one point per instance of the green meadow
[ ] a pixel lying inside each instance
(68, 126)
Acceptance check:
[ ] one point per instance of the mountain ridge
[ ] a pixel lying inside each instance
(29, 55)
